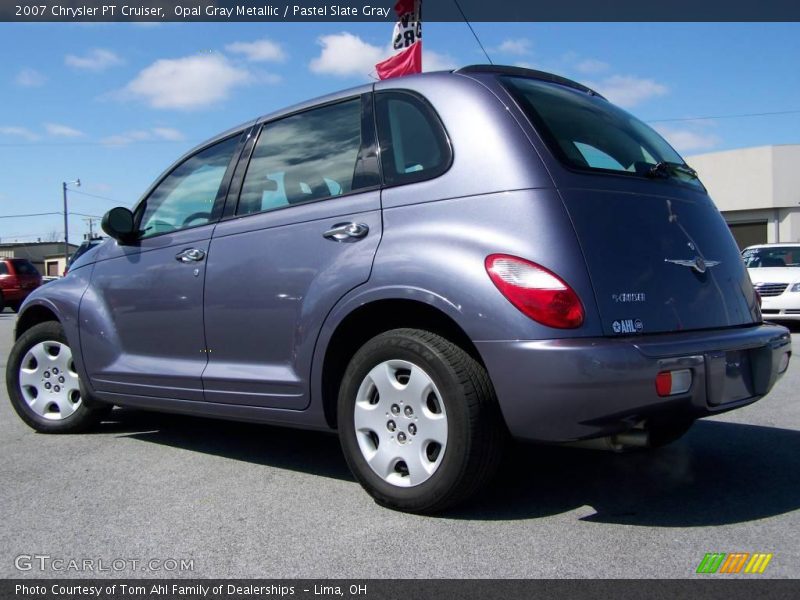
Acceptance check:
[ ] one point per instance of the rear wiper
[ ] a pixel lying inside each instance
(665, 169)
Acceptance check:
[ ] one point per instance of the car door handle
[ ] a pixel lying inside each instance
(343, 231)
(190, 255)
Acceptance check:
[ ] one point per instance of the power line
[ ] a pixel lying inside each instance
(93, 196)
(739, 116)
(477, 39)
(30, 215)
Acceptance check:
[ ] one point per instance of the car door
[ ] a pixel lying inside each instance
(304, 232)
(142, 316)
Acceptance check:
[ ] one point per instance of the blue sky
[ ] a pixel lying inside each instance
(115, 104)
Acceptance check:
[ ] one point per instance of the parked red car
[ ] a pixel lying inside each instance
(18, 278)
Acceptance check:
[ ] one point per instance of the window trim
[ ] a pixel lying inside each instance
(222, 191)
(367, 150)
(430, 112)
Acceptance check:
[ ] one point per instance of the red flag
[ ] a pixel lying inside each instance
(406, 41)
(405, 62)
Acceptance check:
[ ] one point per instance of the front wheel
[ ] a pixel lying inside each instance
(418, 421)
(44, 386)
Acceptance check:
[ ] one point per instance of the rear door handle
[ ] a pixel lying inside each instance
(190, 255)
(344, 231)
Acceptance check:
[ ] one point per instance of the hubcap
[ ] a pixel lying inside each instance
(401, 423)
(49, 382)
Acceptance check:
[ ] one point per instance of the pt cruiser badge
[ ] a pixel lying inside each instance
(698, 263)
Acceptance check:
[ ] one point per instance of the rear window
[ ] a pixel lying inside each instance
(589, 133)
(774, 256)
(24, 267)
(3, 268)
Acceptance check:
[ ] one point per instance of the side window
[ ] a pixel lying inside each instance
(413, 142)
(186, 197)
(3, 268)
(304, 157)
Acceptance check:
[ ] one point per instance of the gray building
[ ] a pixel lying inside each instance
(756, 189)
(41, 254)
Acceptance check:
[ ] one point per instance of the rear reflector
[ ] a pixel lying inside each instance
(538, 293)
(670, 383)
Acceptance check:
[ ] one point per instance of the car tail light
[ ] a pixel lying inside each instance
(538, 293)
(670, 383)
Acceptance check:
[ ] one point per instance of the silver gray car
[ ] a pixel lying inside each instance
(431, 265)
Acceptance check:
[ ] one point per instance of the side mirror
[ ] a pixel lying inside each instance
(118, 223)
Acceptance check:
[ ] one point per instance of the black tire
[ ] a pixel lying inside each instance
(84, 417)
(2, 302)
(476, 434)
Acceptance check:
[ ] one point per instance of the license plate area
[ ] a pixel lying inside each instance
(730, 376)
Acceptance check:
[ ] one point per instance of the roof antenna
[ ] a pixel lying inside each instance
(477, 39)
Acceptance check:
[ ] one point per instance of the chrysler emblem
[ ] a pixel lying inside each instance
(698, 263)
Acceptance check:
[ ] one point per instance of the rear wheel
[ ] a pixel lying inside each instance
(418, 421)
(44, 386)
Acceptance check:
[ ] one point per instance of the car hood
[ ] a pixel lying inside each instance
(774, 274)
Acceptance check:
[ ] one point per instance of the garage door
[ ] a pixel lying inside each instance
(749, 234)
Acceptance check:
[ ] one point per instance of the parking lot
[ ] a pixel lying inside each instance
(242, 500)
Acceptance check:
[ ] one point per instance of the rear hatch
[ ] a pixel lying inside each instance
(660, 256)
(660, 264)
(27, 277)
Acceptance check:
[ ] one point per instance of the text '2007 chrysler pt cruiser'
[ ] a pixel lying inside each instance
(429, 265)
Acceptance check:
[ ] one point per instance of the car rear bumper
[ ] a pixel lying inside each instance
(573, 389)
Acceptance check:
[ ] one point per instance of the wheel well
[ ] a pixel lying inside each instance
(33, 316)
(369, 320)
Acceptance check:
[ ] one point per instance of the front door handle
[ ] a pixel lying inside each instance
(343, 231)
(190, 255)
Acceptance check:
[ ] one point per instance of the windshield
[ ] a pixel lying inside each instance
(589, 133)
(772, 256)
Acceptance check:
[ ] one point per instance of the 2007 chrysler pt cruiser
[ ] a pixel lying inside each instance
(429, 265)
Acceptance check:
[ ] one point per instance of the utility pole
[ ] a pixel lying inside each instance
(64, 185)
(90, 221)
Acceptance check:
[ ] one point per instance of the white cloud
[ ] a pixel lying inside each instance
(687, 140)
(347, 55)
(517, 47)
(29, 78)
(592, 66)
(57, 130)
(187, 83)
(628, 91)
(433, 61)
(153, 134)
(167, 133)
(344, 54)
(97, 59)
(259, 51)
(22, 132)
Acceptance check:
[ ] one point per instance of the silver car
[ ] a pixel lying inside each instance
(430, 265)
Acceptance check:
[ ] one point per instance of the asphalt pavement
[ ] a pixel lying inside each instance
(238, 500)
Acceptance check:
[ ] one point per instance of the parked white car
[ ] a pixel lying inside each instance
(775, 272)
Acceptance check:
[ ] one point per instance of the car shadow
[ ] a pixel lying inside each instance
(719, 473)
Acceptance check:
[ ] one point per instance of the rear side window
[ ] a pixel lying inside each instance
(304, 157)
(589, 133)
(414, 145)
(24, 267)
(3, 268)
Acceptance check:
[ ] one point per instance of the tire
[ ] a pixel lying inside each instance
(2, 302)
(41, 357)
(435, 437)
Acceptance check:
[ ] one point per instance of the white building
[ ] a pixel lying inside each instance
(756, 189)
